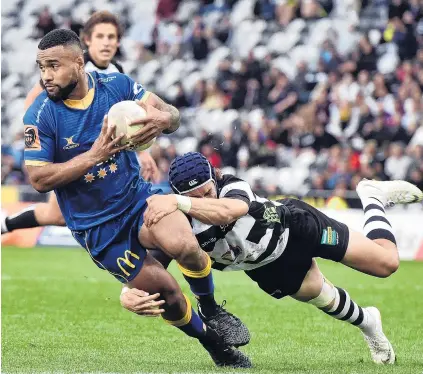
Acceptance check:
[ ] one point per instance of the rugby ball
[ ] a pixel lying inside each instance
(121, 115)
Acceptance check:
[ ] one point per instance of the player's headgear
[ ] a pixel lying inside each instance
(189, 172)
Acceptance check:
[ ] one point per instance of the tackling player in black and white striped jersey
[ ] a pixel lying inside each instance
(275, 243)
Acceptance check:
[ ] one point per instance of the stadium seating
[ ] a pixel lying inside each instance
(273, 46)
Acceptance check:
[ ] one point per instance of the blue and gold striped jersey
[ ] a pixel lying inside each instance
(56, 132)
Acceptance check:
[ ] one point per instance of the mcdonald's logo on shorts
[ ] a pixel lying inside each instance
(126, 260)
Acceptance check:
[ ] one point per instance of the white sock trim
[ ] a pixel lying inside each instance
(375, 225)
(374, 213)
(326, 296)
(336, 303)
(372, 200)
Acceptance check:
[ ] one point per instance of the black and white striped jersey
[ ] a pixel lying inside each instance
(253, 240)
(90, 66)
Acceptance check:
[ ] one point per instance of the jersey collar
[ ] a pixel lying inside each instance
(86, 101)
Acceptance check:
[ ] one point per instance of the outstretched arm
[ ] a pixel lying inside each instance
(210, 211)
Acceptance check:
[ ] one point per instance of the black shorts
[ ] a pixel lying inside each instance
(311, 234)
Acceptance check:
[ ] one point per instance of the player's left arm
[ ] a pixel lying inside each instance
(221, 211)
(174, 118)
(161, 117)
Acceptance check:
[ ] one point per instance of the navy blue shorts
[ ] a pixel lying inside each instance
(114, 245)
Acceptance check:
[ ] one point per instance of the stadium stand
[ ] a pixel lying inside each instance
(293, 95)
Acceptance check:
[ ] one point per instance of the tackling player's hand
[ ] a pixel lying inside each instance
(149, 169)
(141, 303)
(154, 123)
(159, 206)
(106, 145)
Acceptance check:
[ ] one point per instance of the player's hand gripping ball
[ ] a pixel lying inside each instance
(121, 115)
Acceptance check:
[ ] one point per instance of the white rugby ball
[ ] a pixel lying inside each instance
(121, 115)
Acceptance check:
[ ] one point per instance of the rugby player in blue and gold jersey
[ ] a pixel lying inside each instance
(101, 35)
(69, 148)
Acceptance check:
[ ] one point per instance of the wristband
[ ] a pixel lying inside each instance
(184, 203)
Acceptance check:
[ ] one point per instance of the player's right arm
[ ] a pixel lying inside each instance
(45, 175)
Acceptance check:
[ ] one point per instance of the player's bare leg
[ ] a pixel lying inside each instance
(376, 252)
(179, 313)
(41, 214)
(173, 234)
(337, 303)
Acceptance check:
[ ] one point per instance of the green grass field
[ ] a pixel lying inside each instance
(61, 314)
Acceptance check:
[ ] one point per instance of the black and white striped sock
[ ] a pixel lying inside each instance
(376, 225)
(345, 309)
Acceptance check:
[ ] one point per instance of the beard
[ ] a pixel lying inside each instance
(62, 93)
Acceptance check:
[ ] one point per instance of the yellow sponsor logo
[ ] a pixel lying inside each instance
(126, 261)
(330, 235)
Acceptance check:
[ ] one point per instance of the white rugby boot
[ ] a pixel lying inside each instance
(389, 192)
(380, 348)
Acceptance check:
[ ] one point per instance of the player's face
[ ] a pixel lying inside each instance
(60, 70)
(208, 190)
(103, 43)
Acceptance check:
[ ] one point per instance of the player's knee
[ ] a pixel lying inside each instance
(389, 266)
(185, 248)
(59, 220)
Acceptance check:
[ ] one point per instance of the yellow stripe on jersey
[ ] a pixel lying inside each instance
(36, 163)
(85, 102)
(145, 96)
(185, 319)
(199, 273)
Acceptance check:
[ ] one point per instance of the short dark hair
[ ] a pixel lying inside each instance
(102, 16)
(59, 37)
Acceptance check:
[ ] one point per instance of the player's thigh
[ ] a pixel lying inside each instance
(49, 213)
(173, 234)
(311, 285)
(325, 237)
(285, 275)
(369, 257)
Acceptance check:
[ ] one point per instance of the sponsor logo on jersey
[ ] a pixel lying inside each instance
(70, 143)
(329, 236)
(107, 80)
(224, 227)
(211, 240)
(137, 88)
(271, 215)
(32, 140)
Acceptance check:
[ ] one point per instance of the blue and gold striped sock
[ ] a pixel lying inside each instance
(190, 323)
(200, 281)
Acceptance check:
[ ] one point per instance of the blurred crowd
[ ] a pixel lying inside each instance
(351, 115)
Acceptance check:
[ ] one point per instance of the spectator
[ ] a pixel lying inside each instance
(265, 9)
(200, 44)
(199, 94)
(397, 163)
(45, 22)
(214, 97)
(210, 153)
(283, 97)
(166, 9)
(180, 100)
